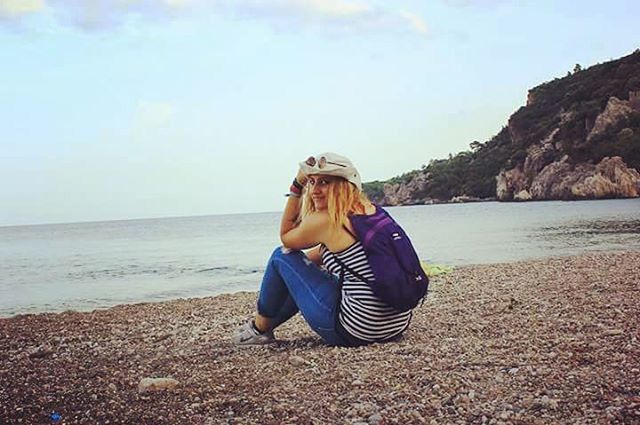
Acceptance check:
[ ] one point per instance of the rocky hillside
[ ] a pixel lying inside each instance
(578, 137)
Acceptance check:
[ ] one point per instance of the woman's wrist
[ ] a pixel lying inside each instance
(297, 185)
(296, 188)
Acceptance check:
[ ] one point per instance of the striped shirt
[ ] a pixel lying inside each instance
(362, 314)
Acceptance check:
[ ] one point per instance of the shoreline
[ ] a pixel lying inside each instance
(553, 340)
(472, 200)
(89, 309)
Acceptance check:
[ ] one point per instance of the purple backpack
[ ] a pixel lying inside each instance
(399, 280)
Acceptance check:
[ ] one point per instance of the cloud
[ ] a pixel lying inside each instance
(327, 8)
(16, 9)
(342, 15)
(474, 3)
(105, 15)
(415, 22)
(108, 14)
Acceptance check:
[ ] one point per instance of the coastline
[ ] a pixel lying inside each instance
(546, 341)
(463, 199)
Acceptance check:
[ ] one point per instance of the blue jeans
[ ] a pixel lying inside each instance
(293, 283)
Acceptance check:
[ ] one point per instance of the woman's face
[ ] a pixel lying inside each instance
(319, 188)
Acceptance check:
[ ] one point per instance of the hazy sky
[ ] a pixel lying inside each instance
(115, 109)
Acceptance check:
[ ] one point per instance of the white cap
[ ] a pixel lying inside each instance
(332, 164)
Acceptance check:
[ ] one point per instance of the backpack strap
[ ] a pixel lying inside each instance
(349, 232)
(344, 267)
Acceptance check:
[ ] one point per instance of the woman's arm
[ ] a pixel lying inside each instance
(290, 215)
(292, 208)
(303, 234)
(310, 232)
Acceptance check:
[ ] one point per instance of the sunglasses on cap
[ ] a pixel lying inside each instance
(321, 162)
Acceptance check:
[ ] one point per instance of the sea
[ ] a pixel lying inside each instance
(85, 266)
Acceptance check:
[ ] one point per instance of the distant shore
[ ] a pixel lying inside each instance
(472, 199)
(549, 341)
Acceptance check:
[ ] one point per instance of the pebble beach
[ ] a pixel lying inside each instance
(537, 342)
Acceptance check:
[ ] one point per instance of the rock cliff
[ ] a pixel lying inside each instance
(542, 177)
(610, 178)
(577, 137)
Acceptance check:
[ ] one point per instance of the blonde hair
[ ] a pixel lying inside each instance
(343, 199)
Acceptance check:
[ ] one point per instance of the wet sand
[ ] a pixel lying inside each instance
(552, 341)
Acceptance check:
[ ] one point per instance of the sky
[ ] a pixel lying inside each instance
(122, 109)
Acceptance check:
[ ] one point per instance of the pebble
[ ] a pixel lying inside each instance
(375, 419)
(297, 361)
(157, 384)
(40, 352)
(546, 402)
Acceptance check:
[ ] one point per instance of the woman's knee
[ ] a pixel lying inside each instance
(278, 251)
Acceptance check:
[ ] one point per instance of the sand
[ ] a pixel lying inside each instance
(552, 341)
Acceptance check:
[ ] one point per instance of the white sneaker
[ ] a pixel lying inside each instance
(247, 334)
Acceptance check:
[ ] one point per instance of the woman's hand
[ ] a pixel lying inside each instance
(301, 176)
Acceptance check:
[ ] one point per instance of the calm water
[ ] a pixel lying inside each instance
(88, 265)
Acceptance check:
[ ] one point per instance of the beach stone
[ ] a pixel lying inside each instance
(157, 384)
(297, 361)
(375, 419)
(464, 399)
(546, 402)
(417, 416)
(40, 352)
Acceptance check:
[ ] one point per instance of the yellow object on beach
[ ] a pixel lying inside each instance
(435, 269)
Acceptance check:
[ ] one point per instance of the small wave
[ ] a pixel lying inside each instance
(212, 269)
(164, 271)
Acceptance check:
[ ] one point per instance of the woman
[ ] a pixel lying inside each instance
(338, 305)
